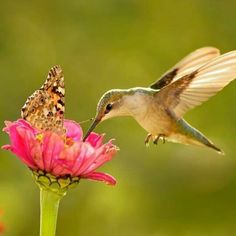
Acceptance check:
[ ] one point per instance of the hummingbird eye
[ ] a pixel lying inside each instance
(108, 108)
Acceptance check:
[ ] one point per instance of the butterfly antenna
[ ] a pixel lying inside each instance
(84, 121)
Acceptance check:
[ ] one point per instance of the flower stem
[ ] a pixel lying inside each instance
(49, 203)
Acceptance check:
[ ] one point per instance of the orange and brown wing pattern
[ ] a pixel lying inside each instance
(45, 108)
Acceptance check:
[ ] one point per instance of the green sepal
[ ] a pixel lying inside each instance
(58, 185)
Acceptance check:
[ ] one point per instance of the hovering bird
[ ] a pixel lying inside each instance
(159, 108)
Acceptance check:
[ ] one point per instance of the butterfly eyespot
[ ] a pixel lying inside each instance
(32, 110)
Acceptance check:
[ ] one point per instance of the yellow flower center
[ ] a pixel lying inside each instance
(39, 137)
(69, 141)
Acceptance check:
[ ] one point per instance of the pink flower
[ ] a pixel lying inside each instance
(60, 155)
(2, 227)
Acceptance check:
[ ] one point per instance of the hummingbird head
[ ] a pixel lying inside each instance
(110, 105)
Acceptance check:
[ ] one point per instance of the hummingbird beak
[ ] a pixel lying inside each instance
(91, 128)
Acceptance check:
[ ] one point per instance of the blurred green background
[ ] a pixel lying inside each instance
(168, 190)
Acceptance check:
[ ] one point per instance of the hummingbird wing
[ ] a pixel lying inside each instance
(187, 65)
(193, 89)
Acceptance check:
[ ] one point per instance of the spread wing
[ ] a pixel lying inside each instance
(187, 65)
(193, 89)
(45, 108)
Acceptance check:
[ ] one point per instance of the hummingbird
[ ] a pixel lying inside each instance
(160, 108)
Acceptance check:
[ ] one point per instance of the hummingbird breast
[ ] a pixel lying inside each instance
(149, 112)
(157, 120)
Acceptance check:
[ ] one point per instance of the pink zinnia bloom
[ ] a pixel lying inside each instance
(60, 155)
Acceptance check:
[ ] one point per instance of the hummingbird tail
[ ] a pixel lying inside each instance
(191, 135)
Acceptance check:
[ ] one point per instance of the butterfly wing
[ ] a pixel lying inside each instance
(45, 108)
(193, 89)
(187, 65)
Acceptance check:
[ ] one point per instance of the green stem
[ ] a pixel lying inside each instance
(49, 203)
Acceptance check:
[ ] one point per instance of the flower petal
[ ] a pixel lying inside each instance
(99, 176)
(109, 152)
(18, 123)
(52, 146)
(84, 157)
(22, 140)
(67, 161)
(73, 130)
(7, 147)
(95, 139)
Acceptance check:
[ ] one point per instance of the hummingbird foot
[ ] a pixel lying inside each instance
(157, 137)
(147, 139)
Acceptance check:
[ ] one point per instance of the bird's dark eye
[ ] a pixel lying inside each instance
(108, 108)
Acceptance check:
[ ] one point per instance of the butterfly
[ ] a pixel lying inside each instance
(45, 108)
